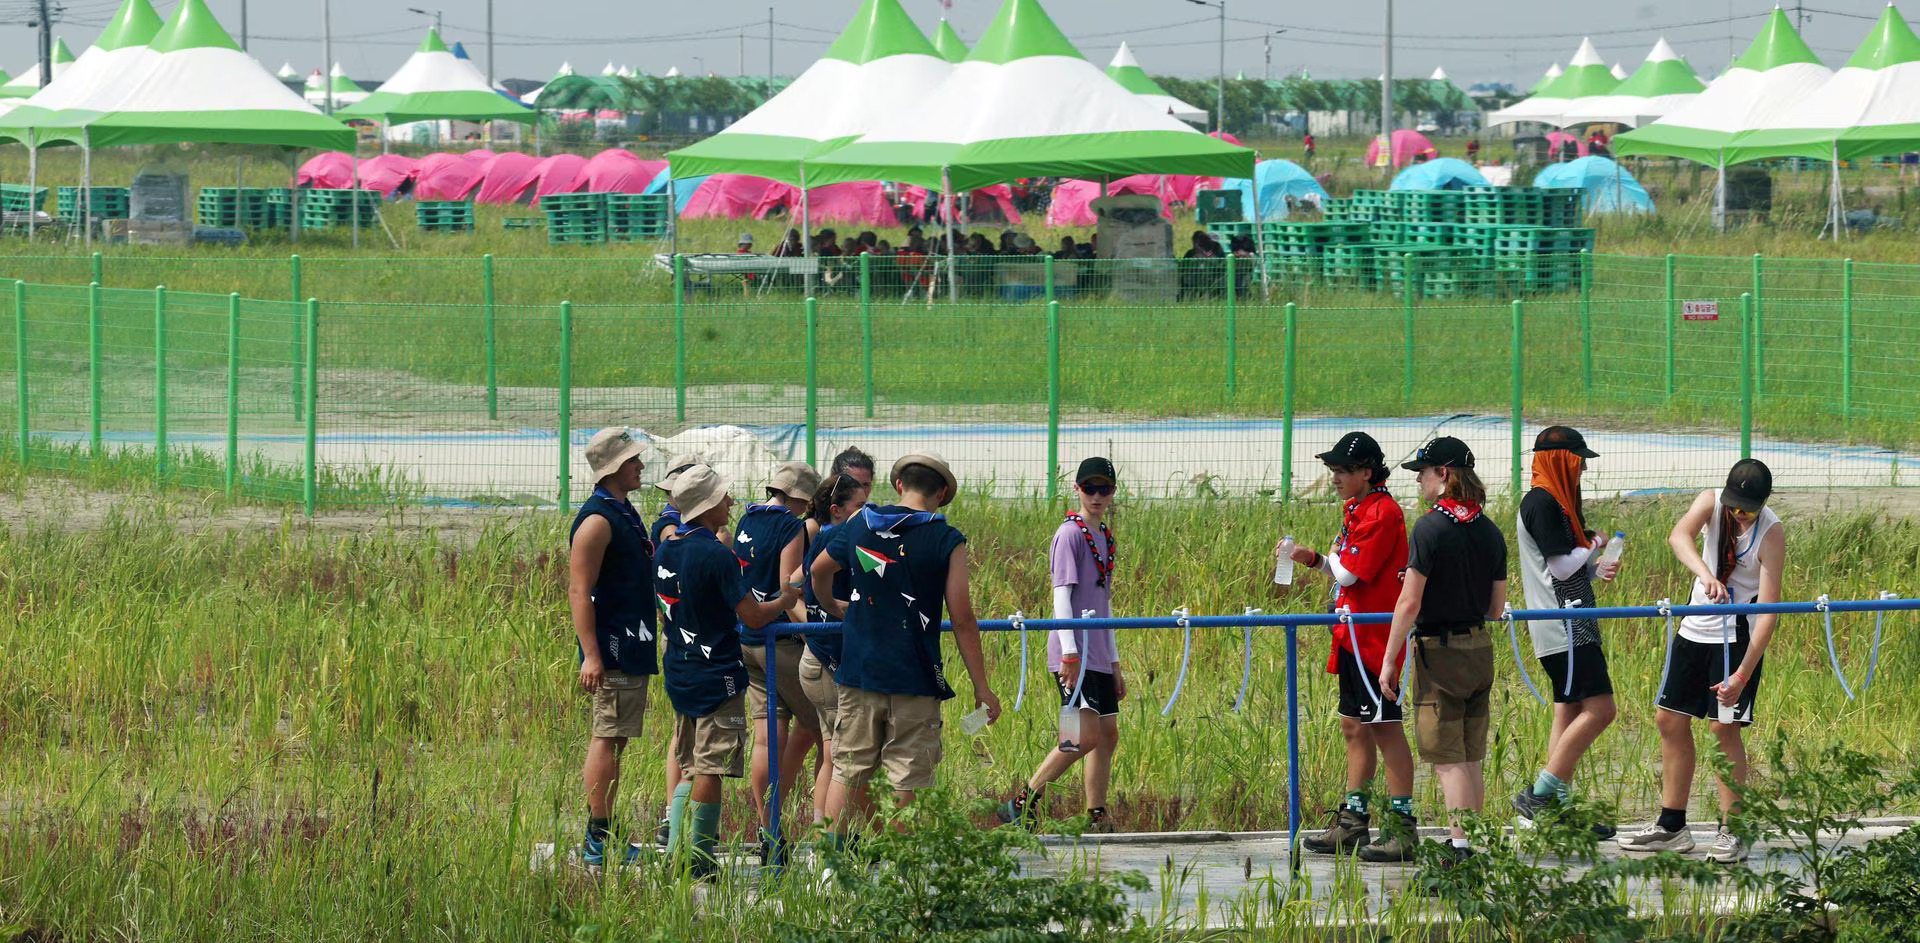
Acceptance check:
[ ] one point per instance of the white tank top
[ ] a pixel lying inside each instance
(1743, 584)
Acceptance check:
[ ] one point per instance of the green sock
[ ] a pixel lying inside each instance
(1357, 801)
(677, 817)
(706, 832)
(1547, 784)
(1401, 804)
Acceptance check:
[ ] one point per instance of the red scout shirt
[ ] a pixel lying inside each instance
(1373, 547)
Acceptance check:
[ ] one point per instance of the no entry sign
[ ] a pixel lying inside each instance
(1700, 310)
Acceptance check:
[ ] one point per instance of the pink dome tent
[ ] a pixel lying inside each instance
(561, 173)
(445, 177)
(1557, 138)
(726, 196)
(387, 173)
(508, 178)
(479, 155)
(860, 203)
(987, 204)
(330, 170)
(1406, 144)
(618, 171)
(1072, 203)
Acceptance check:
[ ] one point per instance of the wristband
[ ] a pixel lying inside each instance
(1075, 656)
(1318, 560)
(1737, 674)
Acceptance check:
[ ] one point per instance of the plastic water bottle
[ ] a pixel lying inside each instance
(973, 723)
(1070, 726)
(1615, 547)
(1283, 567)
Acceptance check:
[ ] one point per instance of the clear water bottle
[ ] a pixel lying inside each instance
(1283, 567)
(1615, 547)
(973, 723)
(1070, 726)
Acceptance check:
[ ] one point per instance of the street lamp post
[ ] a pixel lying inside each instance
(437, 19)
(1267, 41)
(1220, 89)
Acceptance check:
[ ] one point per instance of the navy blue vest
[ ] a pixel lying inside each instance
(623, 613)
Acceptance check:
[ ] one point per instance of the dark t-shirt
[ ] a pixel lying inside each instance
(1552, 532)
(697, 584)
(1461, 563)
(668, 516)
(622, 612)
(896, 560)
(825, 647)
(764, 530)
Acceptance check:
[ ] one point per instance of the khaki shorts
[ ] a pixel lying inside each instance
(822, 691)
(620, 706)
(793, 698)
(899, 733)
(714, 745)
(1452, 678)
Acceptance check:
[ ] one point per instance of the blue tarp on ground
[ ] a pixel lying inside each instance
(1440, 173)
(682, 189)
(1609, 187)
(1279, 179)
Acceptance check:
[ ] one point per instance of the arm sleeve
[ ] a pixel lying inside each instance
(1372, 540)
(1563, 566)
(1063, 609)
(1340, 574)
(1547, 524)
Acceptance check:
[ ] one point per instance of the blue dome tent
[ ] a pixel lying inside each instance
(1607, 187)
(682, 189)
(1279, 179)
(1440, 173)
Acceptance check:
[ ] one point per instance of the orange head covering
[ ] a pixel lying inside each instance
(1558, 471)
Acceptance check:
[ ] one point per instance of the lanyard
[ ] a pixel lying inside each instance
(1104, 567)
(1346, 519)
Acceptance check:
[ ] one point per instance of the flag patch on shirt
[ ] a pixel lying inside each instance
(666, 603)
(873, 561)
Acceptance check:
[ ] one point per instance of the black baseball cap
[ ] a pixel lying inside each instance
(1749, 484)
(1095, 467)
(1444, 452)
(1563, 439)
(1355, 448)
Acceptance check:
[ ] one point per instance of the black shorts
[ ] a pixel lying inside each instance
(1694, 668)
(1589, 674)
(1360, 696)
(1100, 695)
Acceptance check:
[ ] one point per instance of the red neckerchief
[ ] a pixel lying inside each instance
(1459, 511)
(1105, 567)
(1346, 516)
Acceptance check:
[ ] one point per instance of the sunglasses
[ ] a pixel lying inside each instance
(1420, 455)
(1098, 491)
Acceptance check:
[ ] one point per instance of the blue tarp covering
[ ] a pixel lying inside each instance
(682, 189)
(1440, 173)
(1279, 179)
(1609, 187)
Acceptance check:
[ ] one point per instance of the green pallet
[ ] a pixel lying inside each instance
(1348, 265)
(522, 222)
(1316, 234)
(15, 198)
(444, 215)
(1430, 271)
(1515, 239)
(107, 203)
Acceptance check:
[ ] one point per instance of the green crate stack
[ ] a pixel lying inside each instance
(1295, 248)
(1502, 206)
(1430, 206)
(249, 208)
(444, 215)
(638, 217)
(1433, 271)
(1539, 260)
(278, 203)
(15, 198)
(326, 209)
(1337, 210)
(1431, 234)
(108, 202)
(1387, 233)
(1376, 206)
(575, 217)
(1473, 238)
(1560, 206)
(1348, 265)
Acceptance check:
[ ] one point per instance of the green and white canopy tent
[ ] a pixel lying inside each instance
(434, 84)
(1126, 70)
(118, 56)
(1663, 83)
(1587, 76)
(1553, 72)
(345, 90)
(27, 82)
(948, 43)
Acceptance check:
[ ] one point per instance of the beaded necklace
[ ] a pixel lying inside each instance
(1105, 567)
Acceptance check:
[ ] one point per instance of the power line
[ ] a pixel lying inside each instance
(1623, 31)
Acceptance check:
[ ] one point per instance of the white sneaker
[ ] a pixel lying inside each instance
(1727, 848)
(1655, 838)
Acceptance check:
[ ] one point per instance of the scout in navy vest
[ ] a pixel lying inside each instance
(609, 585)
(769, 541)
(905, 561)
(839, 498)
(663, 527)
(702, 601)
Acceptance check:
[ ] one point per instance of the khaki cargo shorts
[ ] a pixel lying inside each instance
(620, 706)
(793, 699)
(714, 745)
(1452, 678)
(822, 691)
(899, 733)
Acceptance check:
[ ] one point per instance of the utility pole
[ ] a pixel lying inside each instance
(1386, 93)
(326, 50)
(743, 54)
(46, 45)
(490, 78)
(769, 50)
(243, 25)
(1220, 86)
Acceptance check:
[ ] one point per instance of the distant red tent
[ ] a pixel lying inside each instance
(330, 170)
(1556, 138)
(861, 203)
(508, 178)
(387, 173)
(445, 177)
(1406, 144)
(987, 204)
(618, 171)
(1147, 185)
(1226, 136)
(726, 196)
(1072, 203)
(478, 155)
(561, 173)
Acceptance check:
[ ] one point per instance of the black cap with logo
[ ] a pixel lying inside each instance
(1444, 452)
(1095, 467)
(1563, 439)
(1355, 448)
(1749, 484)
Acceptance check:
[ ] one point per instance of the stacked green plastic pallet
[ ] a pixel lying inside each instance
(575, 217)
(444, 215)
(15, 198)
(107, 203)
(247, 208)
(638, 217)
(326, 209)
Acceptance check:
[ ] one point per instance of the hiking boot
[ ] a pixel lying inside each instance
(1528, 806)
(1398, 836)
(1098, 823)
(1451, 857)
(1727, 848)
(1346, 831)
(1654, 838)
(593, 853)
(1019, 811)
(661, 834)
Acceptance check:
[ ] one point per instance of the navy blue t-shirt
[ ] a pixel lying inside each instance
(896, 559)
(825, 647)
(764, 530)
(697, 585)
(623, 620)
(668, 515)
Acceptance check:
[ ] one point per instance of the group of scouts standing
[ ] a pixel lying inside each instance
(868, 698)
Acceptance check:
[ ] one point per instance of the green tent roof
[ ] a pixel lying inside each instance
(948, 42)
(435, 84)
(1021, 29)
(135, 24)
(1777, 44)
(878, 30)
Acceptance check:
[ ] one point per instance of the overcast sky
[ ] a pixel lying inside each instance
(1475, 40)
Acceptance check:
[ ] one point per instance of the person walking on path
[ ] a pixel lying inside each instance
(609, 580)
(1085, 662)
(1559, 557)
(1456, 581)
(1713, 663)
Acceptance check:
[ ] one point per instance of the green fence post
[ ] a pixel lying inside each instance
(1053, 399)
(1673, 316)
(492, 340)
(813, 375)
(99, 269)
(1518, 378)
(311, 407)
(1406, 329)
(1233, 331)
(866, 326)
(20, 366)
(1746, 375)
(1046, 266)
(1846, 338)
(299, 358)
(1586, 319)
(679, 338)
(95, 382)
(566, 403)
(1759, 331)
(1288, 381)
(160, 382)
(233, 395)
